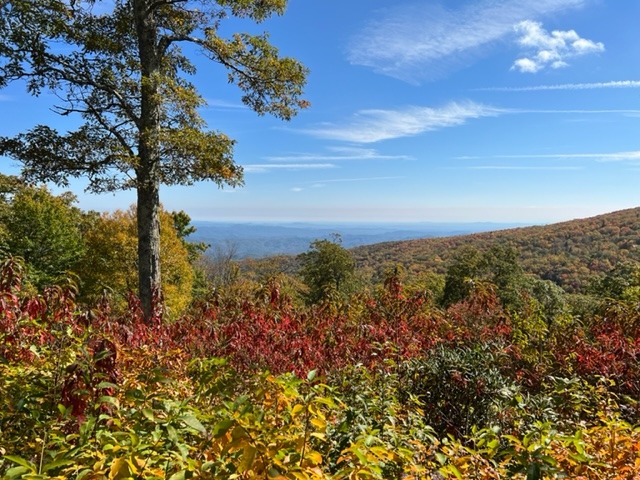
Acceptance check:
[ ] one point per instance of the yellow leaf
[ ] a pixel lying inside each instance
(119, 469)
(319, 422)
(248, 456)
(314, 457)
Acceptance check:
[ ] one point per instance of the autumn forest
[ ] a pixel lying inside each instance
(128, 351)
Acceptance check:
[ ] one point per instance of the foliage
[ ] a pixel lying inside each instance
(251, 384)
(570, 254)
(124, 70)
(43, 229)
(327, 269)
(499, 265)
(109, 266)
(183, 228)
(621, 282)
(463, 387)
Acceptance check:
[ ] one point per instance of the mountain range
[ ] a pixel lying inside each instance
(258, 240)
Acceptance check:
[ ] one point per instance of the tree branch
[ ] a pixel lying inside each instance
(166, 41)
(161, 3)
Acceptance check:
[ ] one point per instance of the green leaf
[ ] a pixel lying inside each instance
(248, 456)
(441, 458)
(16, 472)
(56, 464)
(148, 414)
(222, 427)
(579, 457)
(534, 472)
(194, 423)
(21, 461)
(84, 473)
(178, 475)
(108, 399)
(549, 460)
(102, 385)
(452, 469)
(311, 375)
(172, 433)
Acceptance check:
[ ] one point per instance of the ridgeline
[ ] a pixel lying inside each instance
(567, 253)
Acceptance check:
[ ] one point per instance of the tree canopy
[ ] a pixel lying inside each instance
(327, 267)
(43, 229)
(121, 66)
(109, 265)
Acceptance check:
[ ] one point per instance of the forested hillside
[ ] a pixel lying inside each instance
(568, 253)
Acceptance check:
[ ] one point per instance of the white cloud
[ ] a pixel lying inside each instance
(368, 126)
(425, 40)
(265, 167)
(567, 86)
(550, 49)
(357, 179)
(632, 155)
(217, 103)
(341, 154)
(526, 65)
(512, 167)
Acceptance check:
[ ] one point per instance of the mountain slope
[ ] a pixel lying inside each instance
(568, 253)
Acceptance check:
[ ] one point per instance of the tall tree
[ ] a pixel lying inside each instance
(120, 65)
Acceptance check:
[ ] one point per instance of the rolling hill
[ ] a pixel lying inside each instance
(568, 253)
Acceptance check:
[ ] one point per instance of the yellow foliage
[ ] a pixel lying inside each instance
(111, 263)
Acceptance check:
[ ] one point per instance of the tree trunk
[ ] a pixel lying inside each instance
(148, 244)
(147, 170)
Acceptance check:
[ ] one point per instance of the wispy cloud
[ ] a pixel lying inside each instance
(369, 126)
(358, 179)
(265, 167)
(617, 111)
(553, 49)
(566, 86)
(323, 183)
(426, 41)
(340, 154)
(224, 104)
(632, 155)
(513, 167)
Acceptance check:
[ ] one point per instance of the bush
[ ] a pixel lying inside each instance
(460, 387)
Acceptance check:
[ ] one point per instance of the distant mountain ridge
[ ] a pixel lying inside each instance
(257, 240)
(568, 253)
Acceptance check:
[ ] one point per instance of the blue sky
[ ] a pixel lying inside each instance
(464, 110)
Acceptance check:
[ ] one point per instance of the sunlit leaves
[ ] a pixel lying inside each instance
(110, 264)
(100, 395)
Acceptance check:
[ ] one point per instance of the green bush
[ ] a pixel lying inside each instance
(460, 387)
